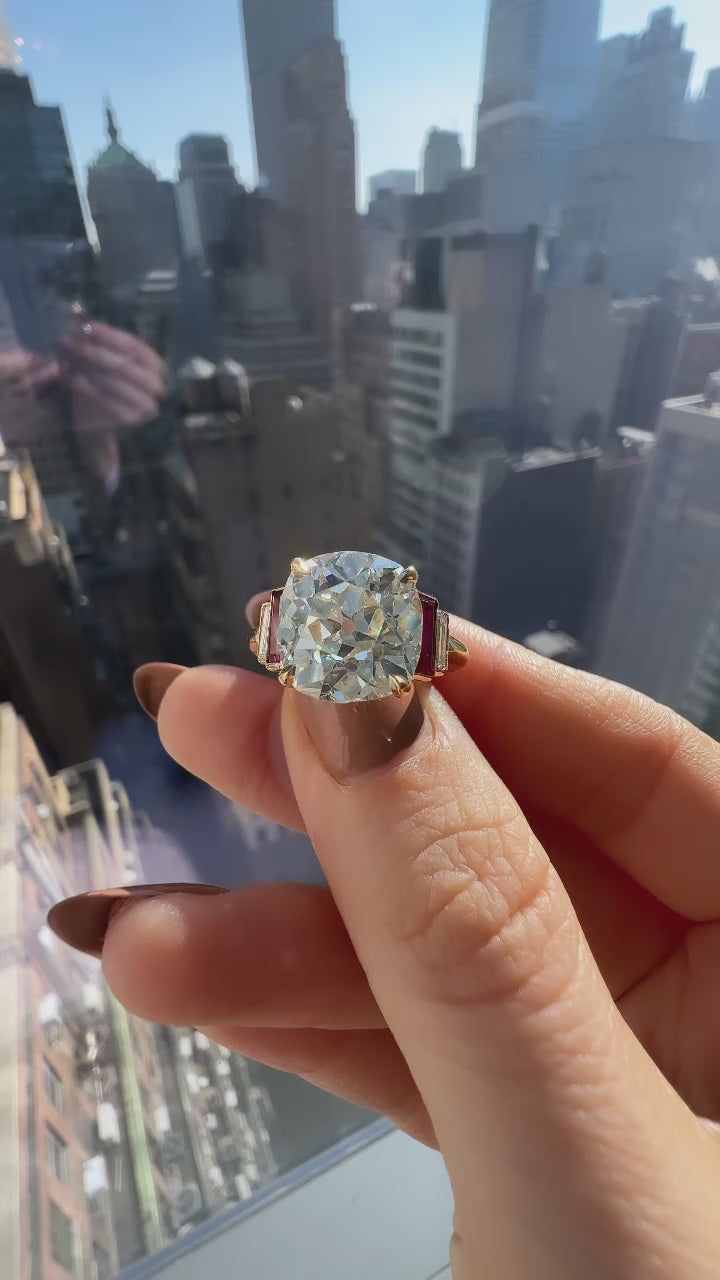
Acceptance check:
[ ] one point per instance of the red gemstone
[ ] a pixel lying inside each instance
(426, 665)
(273, 656)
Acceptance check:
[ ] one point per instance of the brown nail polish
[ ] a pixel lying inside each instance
(83, 921)
(352, 739)
(152, 682)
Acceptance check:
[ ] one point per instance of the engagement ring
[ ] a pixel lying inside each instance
(351, 627)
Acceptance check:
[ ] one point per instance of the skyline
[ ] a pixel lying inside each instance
(424, 72)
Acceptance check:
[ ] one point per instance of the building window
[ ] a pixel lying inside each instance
(53, 1086)
(57, 1156)
(62, 1239)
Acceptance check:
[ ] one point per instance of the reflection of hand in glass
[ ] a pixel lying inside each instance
(116, 379)
(516, 959)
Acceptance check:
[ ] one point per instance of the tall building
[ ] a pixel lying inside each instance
(44, 623)
(537, 88)
(117, 1136)
(508, 539)
(320, 187)
(470, 346)
(582, 357)
(642, 205)
(655, 639)
(705, 110)
(260, 477)
(134, 214)
(38, 191)
(207, 188)
(441, 159)
(261, 331)
(541, 51)
(276, 32)
(644, 96)
(402, 182)
(362, 381)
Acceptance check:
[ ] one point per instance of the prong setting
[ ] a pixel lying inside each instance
(300, 566)
(400, 687)
(410, 576)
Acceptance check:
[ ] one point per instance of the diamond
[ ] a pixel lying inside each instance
(348, 625)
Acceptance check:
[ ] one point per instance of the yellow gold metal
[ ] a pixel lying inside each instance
(287, 679)
(300, 566)
(400, 687)
(410, 575)
(458, 653)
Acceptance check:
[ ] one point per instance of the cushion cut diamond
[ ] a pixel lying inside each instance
(349, 626)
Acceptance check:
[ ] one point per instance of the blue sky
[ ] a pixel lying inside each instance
(174, 67)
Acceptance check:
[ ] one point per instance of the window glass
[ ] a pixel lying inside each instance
(443, 285)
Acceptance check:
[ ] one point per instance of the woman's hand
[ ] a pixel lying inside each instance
(517, 958)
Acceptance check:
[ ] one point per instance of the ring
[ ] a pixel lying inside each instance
(351, 627)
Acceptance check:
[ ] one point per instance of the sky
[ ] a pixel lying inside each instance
(173, 67)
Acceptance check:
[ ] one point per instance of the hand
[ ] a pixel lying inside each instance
(116, 379)
(517, 957)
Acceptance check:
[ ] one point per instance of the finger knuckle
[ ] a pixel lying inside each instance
(477, 907)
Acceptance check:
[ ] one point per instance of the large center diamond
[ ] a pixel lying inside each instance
(349, 626)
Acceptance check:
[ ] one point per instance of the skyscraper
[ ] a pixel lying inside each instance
(38, 193)
(134, 214)
(7, 53)
(206, 189)
(662, 641)
(538, 86)
(441, 159)
(321, 195)
(276, 32)
(645, 97)
(541, 51)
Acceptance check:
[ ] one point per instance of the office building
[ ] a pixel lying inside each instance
(704, 112)
(582, 356)
(206, 192)
(276, 33)
(441, 159)
(656, 328)
(320, 188)
(537, 88)
(43, 621)
(261, 331)
(508, 538)
(698, 356)
(470, 345)
(401, 182)
(362, 380)
(642, 204)
(541, 51)
(134, 214)
(643, 94)
(38, 191)
(659, 618)
(260, 478)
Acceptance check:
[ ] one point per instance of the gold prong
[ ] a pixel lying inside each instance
(410, 576)
(300, 566)
(399, 686)
(287, 679)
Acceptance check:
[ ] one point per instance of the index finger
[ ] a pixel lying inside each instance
(642, 783)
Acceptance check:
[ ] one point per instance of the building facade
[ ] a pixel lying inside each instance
(206, 193)
(276, 33)
(135, 217)
(659, 618)
(320, 188)
(645, 95)
(441, 159)
(401, 182)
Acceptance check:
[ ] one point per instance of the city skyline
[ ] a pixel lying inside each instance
(437, 83)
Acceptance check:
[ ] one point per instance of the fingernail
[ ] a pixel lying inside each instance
(252, 608)
(152, 682)
(83, 921)
(354, 739)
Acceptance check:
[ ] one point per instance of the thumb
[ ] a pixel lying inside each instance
(548, 1112)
